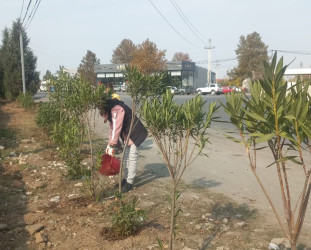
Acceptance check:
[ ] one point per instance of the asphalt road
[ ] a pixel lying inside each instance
(179, 99)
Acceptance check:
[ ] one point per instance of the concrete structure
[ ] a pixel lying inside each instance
(294, 73)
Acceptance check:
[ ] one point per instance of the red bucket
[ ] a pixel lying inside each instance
(110, 165)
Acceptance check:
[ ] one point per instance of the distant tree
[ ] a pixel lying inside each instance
(48, 75)
(251, 53)
(180, 56)
(123, 54)
(148, 59)
(3, 51)
(87, 67)
(11, 72)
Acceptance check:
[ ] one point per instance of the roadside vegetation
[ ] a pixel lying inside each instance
(277, 118)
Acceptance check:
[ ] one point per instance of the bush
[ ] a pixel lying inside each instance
(26, 100)
(48, 115)
(127, 218)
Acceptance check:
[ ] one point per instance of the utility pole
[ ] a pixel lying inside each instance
(22, 61)
(209, 61)
(216, 75)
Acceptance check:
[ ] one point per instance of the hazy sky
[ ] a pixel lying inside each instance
(62, 31)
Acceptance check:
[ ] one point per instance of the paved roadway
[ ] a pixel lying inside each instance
(179, 99)
(226, 170)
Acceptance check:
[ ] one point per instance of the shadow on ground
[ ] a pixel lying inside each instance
(202, 182)
(146, 145)
(150, 173)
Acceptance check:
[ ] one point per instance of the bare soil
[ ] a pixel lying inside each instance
(42, 209)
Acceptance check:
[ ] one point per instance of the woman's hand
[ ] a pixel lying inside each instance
(110, 150)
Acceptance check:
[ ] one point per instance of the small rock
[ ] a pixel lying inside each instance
(52, 222)
(2, 147)
(13, 154)
(240, 224)
(225, 220)
(17, 183)
(35, 228)
(86, 162)
(273, 246)
(225, 228)
(79, 184)
(3, 227)
(186, 214)
(22, 162)
(208, 215)
(211, 226)
(153, 246)
(281, 242)
(26, 141)
(42, 246)
(40, 238)
(55, 199)
(40, 184)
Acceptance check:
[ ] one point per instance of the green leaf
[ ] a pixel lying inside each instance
(264, 138)
(233, 139)
(290, 117)
(306, 130)
(286, 158)
(255, 116)
(297, 162)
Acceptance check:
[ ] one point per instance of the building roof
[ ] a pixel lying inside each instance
(171, 66)
(300, 71)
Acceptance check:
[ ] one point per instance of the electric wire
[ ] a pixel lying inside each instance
(187, 22)
(217, 61)
(32, 16)
(26, 11)
(292, 52)
(171, 25)
(20, 15)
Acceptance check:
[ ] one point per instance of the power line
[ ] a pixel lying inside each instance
(33, 12)
(217, 61)
(171, 25)
(187, 22)
(26, 12)
(292, 52)
(20, 15)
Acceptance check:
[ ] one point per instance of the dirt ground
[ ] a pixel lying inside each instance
(42, 209)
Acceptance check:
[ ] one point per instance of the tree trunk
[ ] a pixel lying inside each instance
(293, 246)
(172, 218)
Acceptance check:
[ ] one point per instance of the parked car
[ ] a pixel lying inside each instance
(186, 90)
(124, 87)
(228, 89)
(116, 87)
(43, 86)
(173, 90)
(213, 88)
